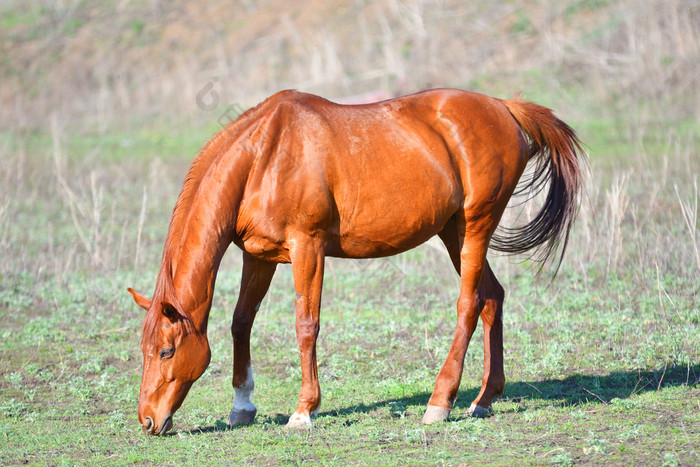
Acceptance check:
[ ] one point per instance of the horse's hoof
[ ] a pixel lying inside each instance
(477, 411)
(241, 417)
(434, 414)
(299, 421)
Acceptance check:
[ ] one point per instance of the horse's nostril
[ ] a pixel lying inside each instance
(148, 426)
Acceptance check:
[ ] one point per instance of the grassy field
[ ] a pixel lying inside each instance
(602, 364)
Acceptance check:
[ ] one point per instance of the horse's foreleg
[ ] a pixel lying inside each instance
(493, 382)
(472, 258)
(307, 257)
(255, 281)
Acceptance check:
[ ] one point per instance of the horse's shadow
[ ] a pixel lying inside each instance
(571, 391)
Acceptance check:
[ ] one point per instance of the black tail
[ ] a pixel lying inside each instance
(557, 151)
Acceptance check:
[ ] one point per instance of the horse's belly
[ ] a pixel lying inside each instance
(385, 233)
(372, 247)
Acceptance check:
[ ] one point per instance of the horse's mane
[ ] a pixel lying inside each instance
(165, 298)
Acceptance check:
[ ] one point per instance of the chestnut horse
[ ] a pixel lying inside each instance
(299, 178)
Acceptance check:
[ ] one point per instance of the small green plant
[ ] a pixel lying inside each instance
(15, 379)
(670, 460)
(12, 408)
(595, 444)
(117, 419)
(631, 433)
(415, 436)
(563, 459)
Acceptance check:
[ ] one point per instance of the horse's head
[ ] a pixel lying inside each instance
(175, 354)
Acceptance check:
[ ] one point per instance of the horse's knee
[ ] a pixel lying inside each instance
(468, 304)
(490, 288)
(240, 327)
(307, 329)
(242, 321)
(498, 292)
(491, 296)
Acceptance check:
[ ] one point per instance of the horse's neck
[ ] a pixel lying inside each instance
(194, 276)
(205, 236)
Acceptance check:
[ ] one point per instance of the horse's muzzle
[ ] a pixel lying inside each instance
(150, 428)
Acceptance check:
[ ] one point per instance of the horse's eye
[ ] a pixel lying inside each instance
(165, 353)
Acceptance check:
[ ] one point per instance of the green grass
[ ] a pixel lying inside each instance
(596, 377)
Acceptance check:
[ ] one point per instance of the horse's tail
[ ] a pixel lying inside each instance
(557, 151)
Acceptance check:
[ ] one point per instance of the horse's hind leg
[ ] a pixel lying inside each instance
(468, 254)
(487, 302)
(493, 382)
(255, 281)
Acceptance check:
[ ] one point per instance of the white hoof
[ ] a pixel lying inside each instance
(477, 411)
(434, 414)
(298, 420)
(241, 417)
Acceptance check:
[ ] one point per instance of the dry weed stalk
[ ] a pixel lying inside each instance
(142, 219)
(689, 209)
(617, 203)
(85, 209)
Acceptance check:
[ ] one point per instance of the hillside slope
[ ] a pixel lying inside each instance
(106, 61)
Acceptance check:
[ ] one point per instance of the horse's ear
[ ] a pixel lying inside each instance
(170, 312)
(140, 300)
(174, 315)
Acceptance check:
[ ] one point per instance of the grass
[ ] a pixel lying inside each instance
(602, 364)
(591, 379)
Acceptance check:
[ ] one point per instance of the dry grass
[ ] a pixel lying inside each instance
(118, 62)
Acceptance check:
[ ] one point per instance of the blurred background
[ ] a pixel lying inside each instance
(125, 63)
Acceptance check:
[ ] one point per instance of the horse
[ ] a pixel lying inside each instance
(298, 178)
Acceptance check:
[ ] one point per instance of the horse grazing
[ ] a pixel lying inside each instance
(299, 178)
